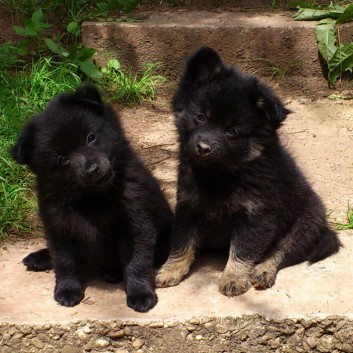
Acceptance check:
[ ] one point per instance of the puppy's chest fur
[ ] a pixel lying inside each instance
(91, 218)
(223, 197)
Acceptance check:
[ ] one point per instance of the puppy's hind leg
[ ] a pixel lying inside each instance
(38, 261)
(305, 242)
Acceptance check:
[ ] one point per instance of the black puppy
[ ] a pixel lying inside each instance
(100, 206)
(237, 185)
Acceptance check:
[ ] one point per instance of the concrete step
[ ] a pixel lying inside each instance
(308, 310)
(258, 42)
(307, 306)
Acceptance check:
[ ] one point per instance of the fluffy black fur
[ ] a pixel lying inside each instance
(101, 208)
(237, 185)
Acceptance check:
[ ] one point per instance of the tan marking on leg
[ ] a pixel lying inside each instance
(235, 278)
(177, 266)
(264, 274)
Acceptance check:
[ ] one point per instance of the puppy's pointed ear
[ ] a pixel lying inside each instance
(204, 65)
(22, 151)
(88, 92)
(270, 106)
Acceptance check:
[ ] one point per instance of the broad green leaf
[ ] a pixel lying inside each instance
(113, 64)
(337, 9)
(74, 28)
(91, 70)
(46, 25)
(314, 14)
(29, 23)
(340, 62)
(326, 38)
(55, 48)
(19, 30)
(347, 14)
(102, 9)
(86, 53)
(38, 16)
(30, 32)
(22, 51)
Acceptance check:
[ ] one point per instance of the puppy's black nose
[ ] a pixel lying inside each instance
(92, 170)
(203, 149)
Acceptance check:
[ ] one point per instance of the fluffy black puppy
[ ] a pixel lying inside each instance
(100, 206)
(237, 185)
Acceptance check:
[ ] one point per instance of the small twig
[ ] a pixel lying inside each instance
(161, 160)
(160, 145)
(296, 132)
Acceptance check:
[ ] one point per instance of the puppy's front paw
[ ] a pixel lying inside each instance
(69, 294)
(142, 302)
(235, 278)
(177, 266)
(234, 285)
(166, 278)
(38, 261)
(263, 276)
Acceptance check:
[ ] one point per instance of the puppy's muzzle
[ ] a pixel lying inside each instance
(203, 149)
(92, 172)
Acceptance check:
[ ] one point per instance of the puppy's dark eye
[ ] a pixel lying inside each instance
(91, 138)
(63, 160)
(200, 117)
(232, 131)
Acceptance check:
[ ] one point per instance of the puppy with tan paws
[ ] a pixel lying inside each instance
(238, 187)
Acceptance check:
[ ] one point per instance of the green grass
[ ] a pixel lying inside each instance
(349, 223)
(128, 87)
(24, 94)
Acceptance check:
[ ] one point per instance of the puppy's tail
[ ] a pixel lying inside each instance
(328, 245)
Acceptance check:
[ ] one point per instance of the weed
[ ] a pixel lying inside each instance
(278, 71)
(129, 88)
(349, 223)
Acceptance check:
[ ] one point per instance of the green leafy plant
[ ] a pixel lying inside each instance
(32, 33)
(128, 87)
(36, 42)
(339, 56)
